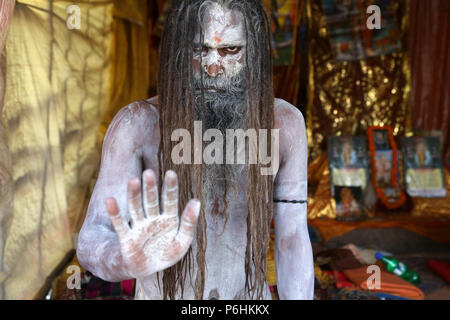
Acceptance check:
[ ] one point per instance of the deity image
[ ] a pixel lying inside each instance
(346, 202)
(422, 157)
(348, 154)
(381, 140)
(384, 168)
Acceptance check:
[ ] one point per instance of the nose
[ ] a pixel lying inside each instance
(213, 70)
(212, 64)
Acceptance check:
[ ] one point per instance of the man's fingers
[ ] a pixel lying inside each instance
(170, 193)
(135, 201)
(188, 223)
(151, 202)
(116, 219)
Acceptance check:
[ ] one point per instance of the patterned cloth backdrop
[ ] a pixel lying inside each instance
(344, 98)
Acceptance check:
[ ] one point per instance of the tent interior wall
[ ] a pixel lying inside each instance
(60, 88)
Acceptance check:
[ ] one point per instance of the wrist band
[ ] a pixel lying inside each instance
(290, 201)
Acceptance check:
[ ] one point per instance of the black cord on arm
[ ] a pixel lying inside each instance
(290, 201)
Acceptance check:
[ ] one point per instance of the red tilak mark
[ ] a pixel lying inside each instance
(217, 38)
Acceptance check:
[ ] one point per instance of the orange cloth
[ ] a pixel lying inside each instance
(389, 283)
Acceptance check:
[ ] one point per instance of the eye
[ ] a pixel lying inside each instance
(200, 49)
(231, 50)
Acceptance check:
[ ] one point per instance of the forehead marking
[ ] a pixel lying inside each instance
(217, 38)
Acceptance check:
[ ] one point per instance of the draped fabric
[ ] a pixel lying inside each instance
(130, 61)
(63, 88)
(287, 78)
(430, 66)
(58, 84)
(6, 193)
(320, 202)
(346, 98)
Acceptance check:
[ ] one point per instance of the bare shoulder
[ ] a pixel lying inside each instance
(141, 111)
(287, 117)
(136, 121)
(289, 120)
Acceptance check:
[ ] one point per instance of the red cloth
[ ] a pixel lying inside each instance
(128, 287)
(441, 268)
(98, 288)
(341, 280)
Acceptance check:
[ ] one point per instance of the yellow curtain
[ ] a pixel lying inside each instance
(6, 192)
(63, 89)
(130, 73)
(130, 59)
(58, 90)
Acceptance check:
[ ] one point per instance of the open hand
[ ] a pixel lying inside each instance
(152, 240)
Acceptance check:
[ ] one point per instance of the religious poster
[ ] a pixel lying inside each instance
(348, 203)
(384, 159)
(348, 175)
(350, 37)
(383, 173)
(284, 20)
(383, 162)
(348, 162)
(423, 167)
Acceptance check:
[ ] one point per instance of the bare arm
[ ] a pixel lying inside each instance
(125, 235)
(293, 252)
(98, 247)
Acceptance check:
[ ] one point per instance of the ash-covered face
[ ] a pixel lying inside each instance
(220, 59)
(221, 56)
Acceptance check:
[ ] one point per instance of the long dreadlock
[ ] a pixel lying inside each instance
(176, 93)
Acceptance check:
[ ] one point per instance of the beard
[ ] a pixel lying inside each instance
(224, 108)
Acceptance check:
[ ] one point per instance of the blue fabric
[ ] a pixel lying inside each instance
(386, 296)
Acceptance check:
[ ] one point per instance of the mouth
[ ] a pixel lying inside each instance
(213, 89)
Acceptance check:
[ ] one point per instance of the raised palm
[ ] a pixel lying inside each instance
(152, 241)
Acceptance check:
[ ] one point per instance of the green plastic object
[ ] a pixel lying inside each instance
(399, 268)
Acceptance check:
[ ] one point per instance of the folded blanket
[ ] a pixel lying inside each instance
(389, 283)
(337, 259)
(441, 268)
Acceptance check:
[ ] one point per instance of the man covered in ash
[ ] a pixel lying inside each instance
(215, 69)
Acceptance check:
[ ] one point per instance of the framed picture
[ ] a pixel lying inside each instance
(347, 156)
(423, 167)
(348, 164)
(384, 159)
(348, 203)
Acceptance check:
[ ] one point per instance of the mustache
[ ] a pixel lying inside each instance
(223, 84)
